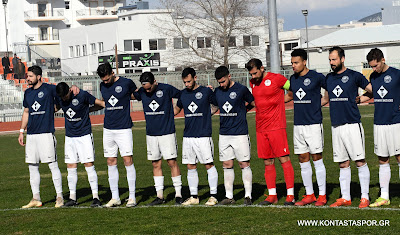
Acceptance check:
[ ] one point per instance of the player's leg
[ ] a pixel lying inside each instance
(320, 174)
(34, 176)
(154, 155)
(212, 176)
(190, 160)
(341, 156)
(93, 182)
(226, 156)
(71, 159)
(111, 153)
(169, 150)
(241, 147)
(355, 145)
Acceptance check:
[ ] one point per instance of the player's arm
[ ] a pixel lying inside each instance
(24, 123)
(325, 99)
(250, 106)
(289, 96)
(74, 89)
(214, 109)
(98, 105)
(177, 110)
(366, 96)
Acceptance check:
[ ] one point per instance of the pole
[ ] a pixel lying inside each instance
(116, 57)
(273, 37)
(308, 56)
(5, 22)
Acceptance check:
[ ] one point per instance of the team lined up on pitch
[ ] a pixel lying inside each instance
(233, 100)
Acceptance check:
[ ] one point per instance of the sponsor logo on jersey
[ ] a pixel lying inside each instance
(387, 79)
(71, 113)
(36, 106)
(199, 95)
(345, 79)
(227, 107)
(338, 90)
(382, 92)
(232, 95)
(113, 101)
(118, 89)
(192, 107)
(300, 93)
(154, 105)
(267, 82)
(307, 82)
(159, 94)
(40, 94)
(75, 102)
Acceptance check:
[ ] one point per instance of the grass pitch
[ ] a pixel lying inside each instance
(15, 192)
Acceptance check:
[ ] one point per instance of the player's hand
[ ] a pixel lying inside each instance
(21, 139)
(74, 89)
(209, 86)
(358, 99)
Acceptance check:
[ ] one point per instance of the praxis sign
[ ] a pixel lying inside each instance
(132, 60)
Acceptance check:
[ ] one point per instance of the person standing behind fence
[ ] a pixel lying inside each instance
(117, 133)
(19, 70)
(38, 118)
(5, 61)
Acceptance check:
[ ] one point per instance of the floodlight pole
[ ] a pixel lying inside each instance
(5, 21)
(273, 37)
(305, 13)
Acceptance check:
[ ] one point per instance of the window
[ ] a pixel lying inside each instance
(203, 42)
(71, 51)
(153, 70)
(78, 50)
(55, 34)
(66, 5)
(93, 48)
(231, 41)
(180, 43)
(41, 9)
(129, 71)
(157, 44)
(252, 40)
(129, 17)
(132, 45)
(233, 66)
(290, 46)
(44, 32)
(84, 50)
(101, 48)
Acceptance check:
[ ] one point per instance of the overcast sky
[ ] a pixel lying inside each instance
(321, 12)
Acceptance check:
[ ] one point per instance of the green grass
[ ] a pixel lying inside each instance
(15, 192)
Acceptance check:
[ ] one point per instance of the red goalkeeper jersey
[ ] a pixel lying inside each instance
(270, 104)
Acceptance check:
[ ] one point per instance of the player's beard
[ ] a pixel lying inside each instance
(337, 68)
(33, 83)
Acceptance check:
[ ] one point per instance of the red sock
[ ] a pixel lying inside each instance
(270, 176)
(288, 172)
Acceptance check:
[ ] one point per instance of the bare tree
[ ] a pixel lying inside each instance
(212, 30)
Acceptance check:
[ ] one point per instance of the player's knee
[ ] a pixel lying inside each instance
(111, 161)
(268, 162)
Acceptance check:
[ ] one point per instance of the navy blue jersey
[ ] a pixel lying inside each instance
(343, 90)
(158, 109)
(231, 103)
(41, 103)
(307, 97)
(76, 113)
(196, 106)
(117, 97)
(386, 89)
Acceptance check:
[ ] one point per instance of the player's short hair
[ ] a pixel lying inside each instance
(221, 72)
(299, 52)
(339, 50)
(254, 63)
(147, 77)
(188, 71)
(375, 54)
(62, 89)
(104, 70)
(36, 70)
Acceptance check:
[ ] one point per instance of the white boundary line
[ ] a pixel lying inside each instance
(203, 206)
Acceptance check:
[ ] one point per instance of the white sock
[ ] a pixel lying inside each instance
(229, 178)
(34, 178)
(384, 180)
(364, 177)
(320, 174)
(113, 178)
(92, 178)
(345, 180)
(56, 175)
(272, 191)
(306, 175)
(247, 177)
(177, 182)
(72, 179)
(159, 185)
(131, 178)
(193, 181)
(290, 191)
(213, 179)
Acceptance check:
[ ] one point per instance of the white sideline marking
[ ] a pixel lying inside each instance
(203, 206)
